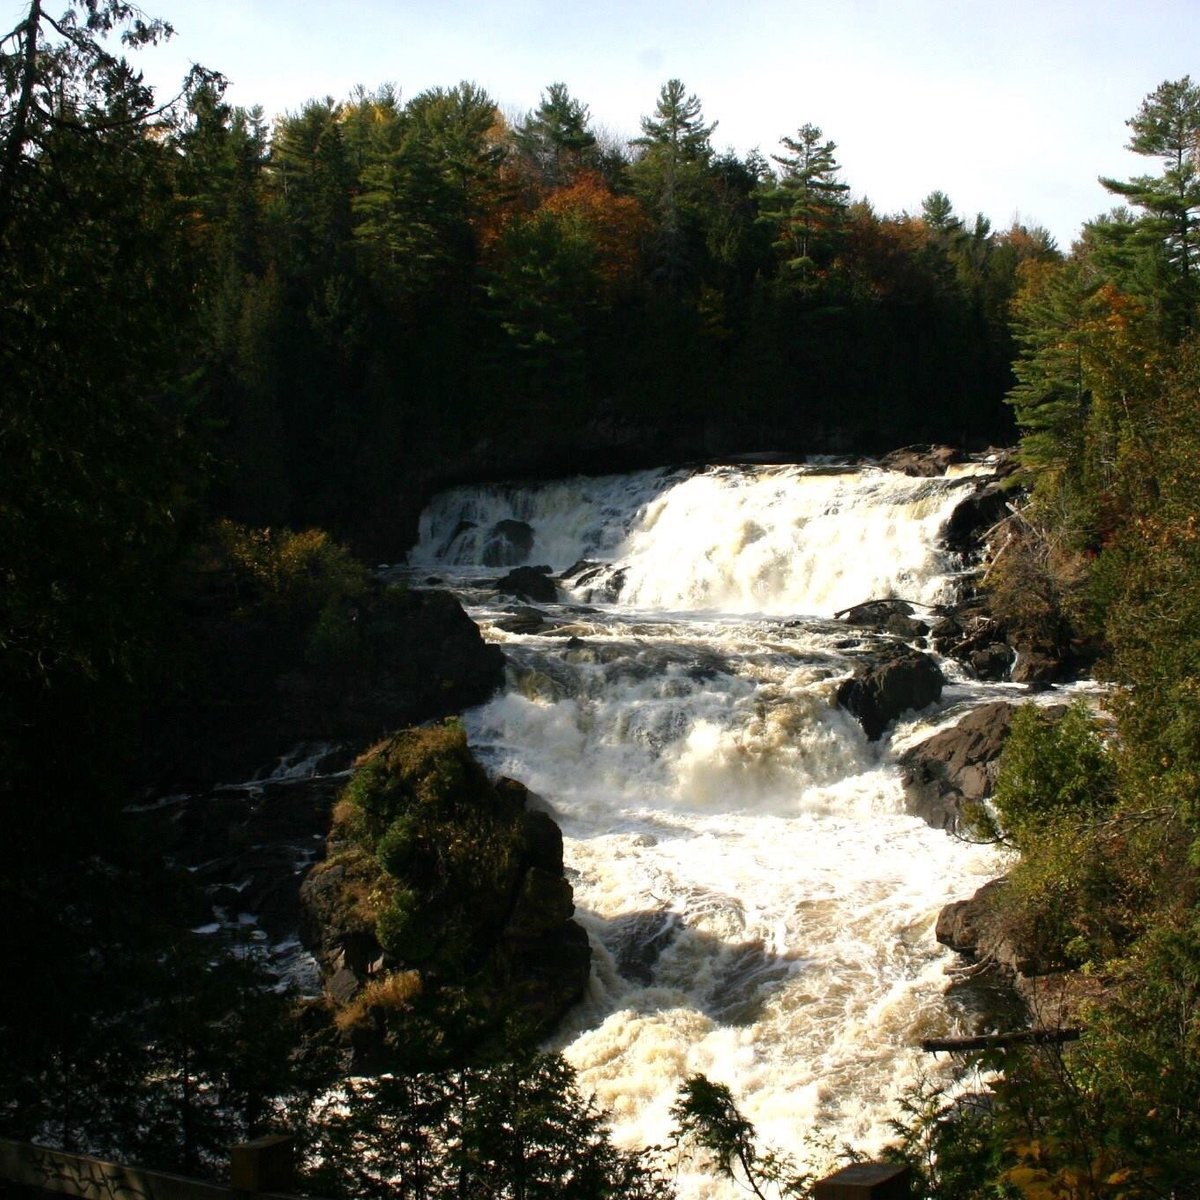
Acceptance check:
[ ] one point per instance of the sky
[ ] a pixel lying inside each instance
(1011, 107)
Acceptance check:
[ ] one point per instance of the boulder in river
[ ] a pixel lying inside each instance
(924, 461)
(956, 768)
(533, 584)
(886, 616)
(508, 542)
(974, 516)
(898, 679)
(444, 895)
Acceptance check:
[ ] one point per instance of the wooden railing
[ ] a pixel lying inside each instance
(266, 1167)
(261, 1167)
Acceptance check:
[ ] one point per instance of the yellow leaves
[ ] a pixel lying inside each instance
(307, 567)
(1035, 1183)
(1041, 1175)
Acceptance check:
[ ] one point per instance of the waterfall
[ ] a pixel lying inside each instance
(760, 906)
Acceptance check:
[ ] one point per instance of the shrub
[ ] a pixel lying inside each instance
(1052, 766)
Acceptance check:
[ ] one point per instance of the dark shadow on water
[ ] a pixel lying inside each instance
(729, 982)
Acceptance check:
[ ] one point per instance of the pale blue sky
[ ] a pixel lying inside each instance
(1010, 106)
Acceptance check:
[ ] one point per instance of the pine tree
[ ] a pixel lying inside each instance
(555, 138)
(670, 176)
(806, 208)
(1167, 127)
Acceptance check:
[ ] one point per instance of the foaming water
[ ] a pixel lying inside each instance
(760, 907)
(724, 539)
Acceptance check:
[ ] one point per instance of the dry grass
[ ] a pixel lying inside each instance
(390, 992)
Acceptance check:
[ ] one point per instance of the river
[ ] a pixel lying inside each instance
(760, 906)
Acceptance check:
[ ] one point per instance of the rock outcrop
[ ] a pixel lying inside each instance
(978, 928)
(926, 461)
(529, 583)
(391, 656)
(508, 543)
(896, 617)
(442, 918)
(948, 773)
(896, 680)
(973, 517)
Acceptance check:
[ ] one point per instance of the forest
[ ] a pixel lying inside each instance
(238, 358)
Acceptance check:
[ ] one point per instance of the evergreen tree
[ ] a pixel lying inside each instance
(97, 481)
(555, 139)
(807, 206)
(670, 175)
(1167, 127)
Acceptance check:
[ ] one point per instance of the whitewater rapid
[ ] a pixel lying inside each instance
(760, 906)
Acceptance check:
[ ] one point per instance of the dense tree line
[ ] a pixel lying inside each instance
(1105, 818)
(390, 286)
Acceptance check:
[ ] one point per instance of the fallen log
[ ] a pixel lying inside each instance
(1002, 1041)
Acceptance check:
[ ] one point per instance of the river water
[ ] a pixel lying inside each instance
(760, 906)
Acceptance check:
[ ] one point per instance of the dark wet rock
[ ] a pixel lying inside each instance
(895, 681)
(581, 571)
(426, 660)
(459, 529)
(979, 927)
(993, 661)
(956, 768)
(544, 902)
(637, 942)
(969, 633)
(600, 581)
(508, 543)
(973, 517)
(1037, 663)
(963, 925)
(342, 986)
(944, 774)
(523, 620)
(896, 617)
(404, 655)
(529, 583)
(924, 461)
(543, 841)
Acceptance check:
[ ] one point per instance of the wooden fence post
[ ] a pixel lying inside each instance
(866, 1181)
(267, 1164)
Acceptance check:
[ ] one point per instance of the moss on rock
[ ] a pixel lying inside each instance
(460, 888)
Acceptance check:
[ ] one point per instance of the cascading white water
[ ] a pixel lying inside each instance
(760, 906)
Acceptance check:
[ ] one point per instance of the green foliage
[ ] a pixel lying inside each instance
(952, 1142)
(404, 931)
(421, 775)
(522, 1129)
(1067, 899)
(708, 1120)
(1150, 576)
(1054, 766)
(1166, 127)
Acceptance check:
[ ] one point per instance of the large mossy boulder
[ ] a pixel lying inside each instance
(441, 917)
